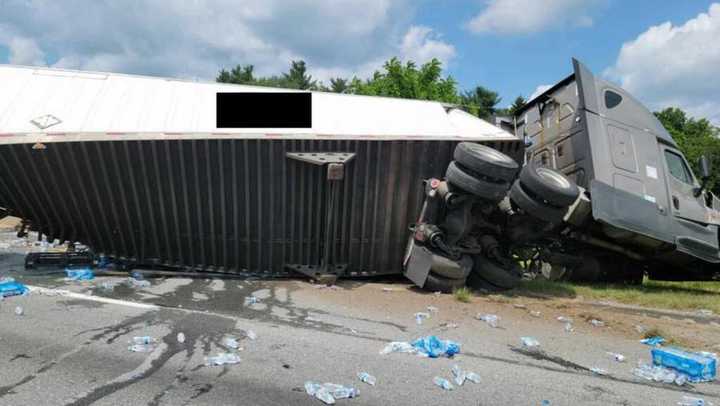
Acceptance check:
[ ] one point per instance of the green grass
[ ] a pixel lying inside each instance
(665, 295)
(462, 295)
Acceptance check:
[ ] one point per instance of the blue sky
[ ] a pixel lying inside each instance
(664, 52)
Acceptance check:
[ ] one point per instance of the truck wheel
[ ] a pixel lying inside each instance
(493, 191)
(496, 275)
(550, 185)
(450, 269)
(486, 161)
(435, 283)
(532, 207)
(591, 270)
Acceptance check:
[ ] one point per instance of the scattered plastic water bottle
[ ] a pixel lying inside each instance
(419, 317)
(251, 335)
(250, 300)
(432, 309)
(325, 396)
(19, 311)
(398, 346)
(563, 319)
(545, 403)
(693, 401)
(344, 392)
(598, 371)
(490, 319)
(137, 283)
(472, 377)
(597, 323)
(367, 378)
(141, 347)
(137, 275)
(459, 375)
(7, 279)
(535, 313)
(230, 342)
(181, 338)
(443, 383)
(617, 357)
(530, 343)
(569, 328)
(143, 340)
(311, 387)
(222, 359)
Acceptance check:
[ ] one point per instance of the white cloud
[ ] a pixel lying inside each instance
(196, 38)
(528, 16)
(539, 90)
(675, 65)
(25, 51)
(421, 44)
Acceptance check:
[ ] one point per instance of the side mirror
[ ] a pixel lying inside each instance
(704, 165)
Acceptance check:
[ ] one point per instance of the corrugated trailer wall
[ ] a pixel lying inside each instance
(235, 205)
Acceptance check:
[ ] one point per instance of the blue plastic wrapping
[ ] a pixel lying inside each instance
(12, 289)
(434, 347)
(698, 367)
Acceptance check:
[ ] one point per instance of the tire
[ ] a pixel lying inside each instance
(475, 282)
(450, 269)
(486, 161)
(534, 208)
(435, 283)
(591, 271)
(549, 185)
(459, 177)
(495, 274)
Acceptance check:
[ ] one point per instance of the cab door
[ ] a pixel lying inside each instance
(693, 231)
(682, 186)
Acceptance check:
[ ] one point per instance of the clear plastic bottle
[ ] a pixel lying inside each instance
(230, 342)
(472, 377)
(530, 342)
(443, 383)
(19, 311)
(367, 378)
(143, 340)
(181, 337)
(459, 375)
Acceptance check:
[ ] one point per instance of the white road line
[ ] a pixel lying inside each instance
(82, 296)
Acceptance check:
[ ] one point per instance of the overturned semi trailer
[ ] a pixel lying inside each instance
(208, 176)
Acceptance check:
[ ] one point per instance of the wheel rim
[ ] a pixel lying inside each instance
(554, 177)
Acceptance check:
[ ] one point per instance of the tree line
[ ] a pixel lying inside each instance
(395, 79)
(695, 136)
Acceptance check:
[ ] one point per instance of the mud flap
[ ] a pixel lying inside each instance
(418, 262)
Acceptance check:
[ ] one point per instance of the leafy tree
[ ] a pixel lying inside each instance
(298, 78)
(239, 75)
(407, 81)
(339, 85)
(518, 104)
(481, 102)
(695, 137)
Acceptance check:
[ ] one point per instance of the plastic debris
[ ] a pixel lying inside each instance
(563, 319)
(388, 289)
(653, 341)
(705, 312)
(472, 377)
(437, 293)
(598, 371)
(640, 328)
(535, 313)
(434, 347)
(569, 328)
(251, 335)
(419, 317)
(19, 311)
(519, 306)
(530, 342)
(81, 274)
(181, 338)
(367, 378)
(698, 367)
(490, 319)
(616, 356)
(443, 383)
(250, 300)
(137, 275)
(398, 346)
(660, 374)
(432, 309)
(545, 402)
(222, 359)
(141, 347)
(459, 375)
(449, 325)
(693, 401)
(143, 340)
(138, 283)
(230, 342)
(13, 288)
(328, 392)
(6, 279)
(597, 323)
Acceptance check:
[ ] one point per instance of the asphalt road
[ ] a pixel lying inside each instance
(72, 349)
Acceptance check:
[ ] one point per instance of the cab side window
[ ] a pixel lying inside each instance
(677, 167)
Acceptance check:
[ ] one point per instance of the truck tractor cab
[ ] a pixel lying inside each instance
(604, 194)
